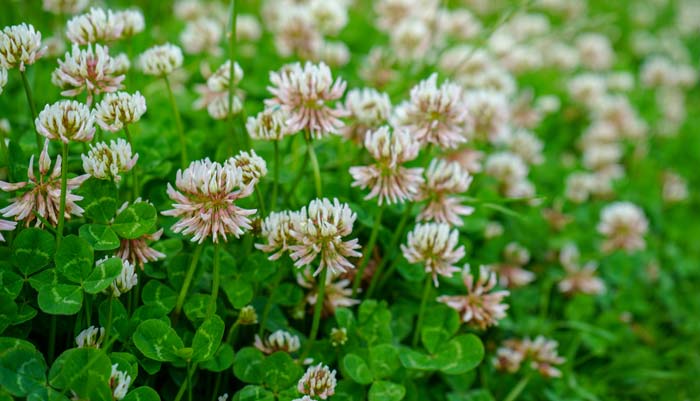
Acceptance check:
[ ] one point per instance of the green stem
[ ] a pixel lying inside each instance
(297, 179)
(424, 301)
(32, 107)
(62, 205)
(275, 183)
(232, 333)
(314, 166)
(185, 384)
(261, 202)
(368, 251)
(189, 381)
(215, 282)
(318, 307)
(109, 319)
(377, 279)
(188, 280)
(134, 176)
(232, 58)
(268, 303)
(515, 392)
(178, 123)
(87, 311)
(52, 339)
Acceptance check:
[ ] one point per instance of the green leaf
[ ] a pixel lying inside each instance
(411, 359)
(196, 307)
(222, 359)
(288, 294)
(248, 365)
(160, 295)
(22, 367)
(103, 275)
(32, 249)
(120, 319)
(101, 237)
(386, 391)
(86, 371)
(238, 292)
(10, 284)
(374, 322)
(8, 312)
(61, 299)
(157, 340)
(254, 393)
(281, 371)
(384, 360)
(99, 200)
(74, 258)
(461, 354)
(142, 394)
(439, 325)
(357, 369)
(47, 277)
(207, 339)
(136, 220)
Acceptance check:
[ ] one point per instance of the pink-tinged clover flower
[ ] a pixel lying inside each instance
(318, 381)
(435, 246)
(444, 182)
(93, 71)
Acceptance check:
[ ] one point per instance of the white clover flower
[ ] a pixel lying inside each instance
(624, 225)
(595, 51)
(368, 106)
(334, 53)
(66, 121)
(296, 33)
(119, 382)
(131, 21)
(109, 161)
(445, 181)
(97, 25)
(202, 35)
(87, 70)
(506, 167)
(318, 381)
(253, 167)
(65, 6)
(276, 229)
(125, 281)
(526, 145)
(490, 113)
(268, 125)
(219, 80)
(91, 337)
(20, 46)
(116, 110)
(434, 245)
(248, 28)
(280, 340)
(55, 46)
(330, 17)
(161, 60)
(411, 39)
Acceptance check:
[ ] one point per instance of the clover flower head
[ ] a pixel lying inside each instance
(434, 245)
(280, 340)
(6, 225)
(137, 251)
(161, 60)
(490, 113)
(253, 167)
(623, 224)
(125, 281)
(119, 382)
(91, 337)
(116, 110)
(248, 315)
(269, 125)
(540, 352)
(93, 71)
(65, 6)
(205, 201)
(219, 80)
(66, 121)
(97, 25)
(318, 381)
(131, 21)
(20, 46)
(445, 180)
(105, 161)
(339, 336)
(579, 279)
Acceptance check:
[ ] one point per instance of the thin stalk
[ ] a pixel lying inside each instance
(185, 384)
(232, 58)
(189, 382)
(188, 280)
(32, 107)
(318, 308)
(215, 282)
(178, 123)
(52, 339)
(232, 333)
(87, 311)
(109, 318)
(393, 243)
(62, 205)
(276, 176)
(268, 304)
(424, 301)
(134, 176)
(519, 387)
(297, 178)
(314, 165)
(261, 202)
(368, 251)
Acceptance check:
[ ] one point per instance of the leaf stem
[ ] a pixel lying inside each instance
(519, 387)
(109, 318)
(188, 280)
(134, 176)
(178, 123)
(275, 183)
(377, 279)
(62, 204)
(215, 282)
(52, 339)
(368, 250)
(261, 202)
(318, 308)
(32, 107)
(314, 165)
(426, 293)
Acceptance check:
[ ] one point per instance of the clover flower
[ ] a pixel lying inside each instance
(367, 109)
(66, 121)
(43, 193)
(137, 251)
(20, 46)
(579, 279)
(481, 307)
(435, 115)
(276, 229)
(64, 6)
(248, 28)
(318, 381)
(97, 25)
(105, 161)
(303, 93)
(337, 293)
(624, 225)
(280, 340)
(253, 167)
(296, 33)
(93, 71)
(526, 145)
(389, 180)
(131, 21)
(161, 60)
(91, 337)
(214, 95)
(119, 383)
(511, 272)
(247, 316)
(319, 231)
(6, 225)
(202, 35)
(434, 245)
(541, 352)
(205, 201)
(490, 113)
(125, 281)
(116, 110)
(268, 125)
(675, 188)
(444, 179)
(339, 336)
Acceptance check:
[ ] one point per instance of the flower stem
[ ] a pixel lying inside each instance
(515, 392)
(275, 183)
(109, 318)
(189, 381)
(376, 277)
(368, 251)
(268, 303)
(215, 282)
(52, 339)
(32, 107)
(318, 307)
(188, 280)
(134, 176)
(314, 165)
(261, 202)
(426, 293)
(178, 123)
(62, 204)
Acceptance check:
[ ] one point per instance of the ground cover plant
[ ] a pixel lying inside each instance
(386, 200)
